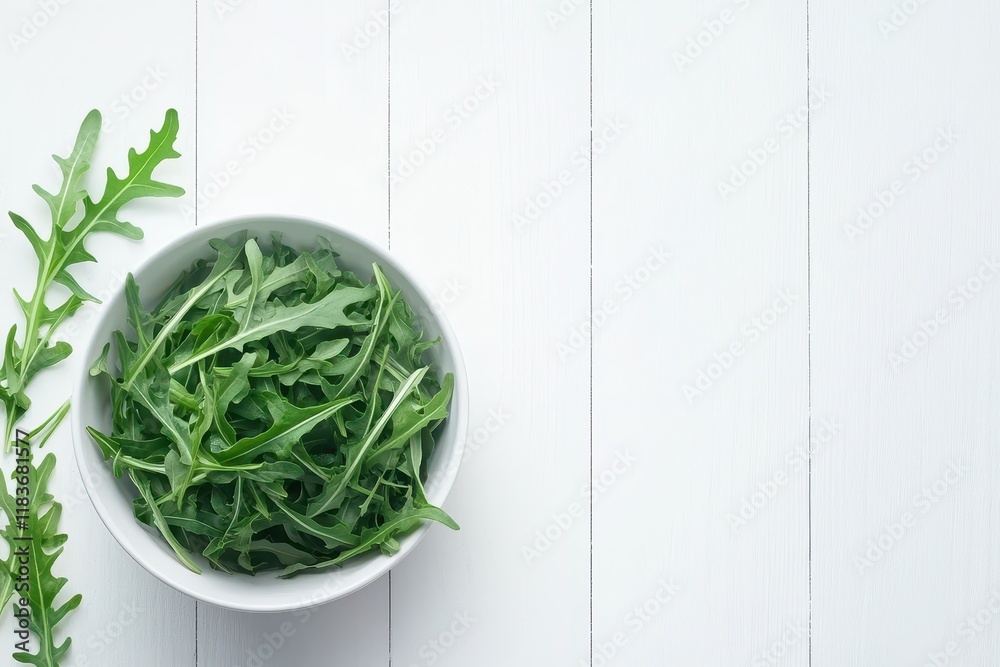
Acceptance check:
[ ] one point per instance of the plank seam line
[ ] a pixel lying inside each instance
(197, 660)
(388, 221)
(809, 320)
(591, 328)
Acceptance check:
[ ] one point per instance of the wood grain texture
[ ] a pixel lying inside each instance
(699, 334)
(305, 124)
(488, 108)
(905, 302)
(51, 81)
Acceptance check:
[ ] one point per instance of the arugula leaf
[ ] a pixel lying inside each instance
(402, 521)
(39, 535)
(142, 483)
(268, 319)
(289, 426)
(38, 437)
(64, 248)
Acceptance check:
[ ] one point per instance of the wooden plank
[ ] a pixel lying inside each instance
(488, 108)
(303, 118)
(64, 59)
(905, 299)
(699, 334)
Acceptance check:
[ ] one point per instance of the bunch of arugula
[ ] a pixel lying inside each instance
(274, 411)
(75, 217)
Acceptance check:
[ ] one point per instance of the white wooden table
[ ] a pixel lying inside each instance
(733, 364)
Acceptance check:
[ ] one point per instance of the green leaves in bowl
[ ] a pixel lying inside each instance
(274, 411)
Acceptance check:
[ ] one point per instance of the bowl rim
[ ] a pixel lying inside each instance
(459, 412)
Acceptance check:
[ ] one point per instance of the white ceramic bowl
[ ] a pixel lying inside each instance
(112, 497)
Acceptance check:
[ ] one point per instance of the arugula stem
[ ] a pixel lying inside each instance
(30, 346)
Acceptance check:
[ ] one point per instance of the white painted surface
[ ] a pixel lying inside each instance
(699, 377)
(675, 471)
(926, 87)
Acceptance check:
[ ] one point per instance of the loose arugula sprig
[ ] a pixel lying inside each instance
(274, 411)
(34, 350)
(38, 534)
(37, 439)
